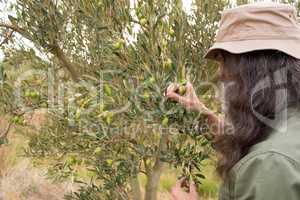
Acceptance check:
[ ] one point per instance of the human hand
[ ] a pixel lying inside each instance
(178, 193)
(189, 99)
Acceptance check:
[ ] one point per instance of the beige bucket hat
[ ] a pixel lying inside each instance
(258, 26)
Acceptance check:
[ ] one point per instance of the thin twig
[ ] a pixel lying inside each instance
(16, 29)
(55, 50)
(8, 37)
(4, 134)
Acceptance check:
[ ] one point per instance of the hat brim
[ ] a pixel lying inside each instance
(288, 46)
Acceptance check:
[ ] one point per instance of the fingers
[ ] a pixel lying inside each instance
(193, 188)
(190, 88)
(171, 92)
(172, 88)
(179, 182)
(177, 190)
(176, 97)
(189, 100)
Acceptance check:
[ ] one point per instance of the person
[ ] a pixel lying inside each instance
(258, 51)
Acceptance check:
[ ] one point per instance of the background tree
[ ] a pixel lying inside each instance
(100, 68)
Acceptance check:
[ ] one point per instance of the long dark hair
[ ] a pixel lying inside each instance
(272, 69)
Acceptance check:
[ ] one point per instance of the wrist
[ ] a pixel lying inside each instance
(202, 109)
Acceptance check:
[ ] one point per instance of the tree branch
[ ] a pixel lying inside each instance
(16, 29)
(55, 50)
(58, 52)
(4, 134)
(7, 37)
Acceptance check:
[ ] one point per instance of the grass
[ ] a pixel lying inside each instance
(210, 186)
(208, 190)
(20, 180)
(167, 181)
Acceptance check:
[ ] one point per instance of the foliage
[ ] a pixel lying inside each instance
(101, 67)
(106, 67)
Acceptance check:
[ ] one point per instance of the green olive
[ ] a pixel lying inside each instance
(109, 161)
(167, 64)
(71, 160)
(101, 107)
(165, 121)
(107, 90)
(146, 95)
(119, 44)
(181, 90)
(27, 93)
(171, 32)
(109, 118)
(152, 80)
(15, 119)
(34, 94)
(98, 150)
(143, 21)
(165, 43)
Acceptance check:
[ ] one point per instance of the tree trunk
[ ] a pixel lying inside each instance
(153, 181)
(154, 174)
(135, 189)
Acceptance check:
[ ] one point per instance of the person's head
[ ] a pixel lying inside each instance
(258, 48)
(276, 74)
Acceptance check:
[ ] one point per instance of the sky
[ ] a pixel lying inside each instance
(187, 4)
(3, 17)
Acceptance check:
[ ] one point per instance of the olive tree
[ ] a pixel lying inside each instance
(103, 71)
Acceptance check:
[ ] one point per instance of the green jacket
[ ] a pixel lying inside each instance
(271, 169)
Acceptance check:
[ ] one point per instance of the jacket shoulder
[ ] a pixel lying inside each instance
(267, 175)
